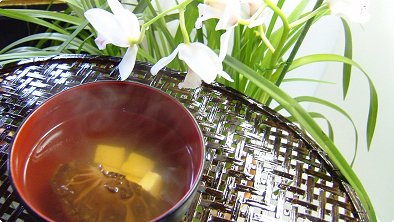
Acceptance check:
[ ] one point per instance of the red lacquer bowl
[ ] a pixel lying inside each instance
(67, 126)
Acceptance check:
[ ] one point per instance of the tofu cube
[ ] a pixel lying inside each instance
(137, 166)
(152, 182)
(110, 156)
(133, 179)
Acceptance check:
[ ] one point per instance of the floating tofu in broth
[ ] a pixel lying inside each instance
(126, 181)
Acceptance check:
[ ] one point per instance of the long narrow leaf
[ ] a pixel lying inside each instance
(163, 27)
(24, 55)
(53, 37)
(20, 16)
(306, 80)
(297, 11)
(338, 109)
(51, 15)
(315, 115)
(303, 117)
(72, 36)
(373, 96)
(74, 3)
(141, 6)
(146, 55)
(348, 53)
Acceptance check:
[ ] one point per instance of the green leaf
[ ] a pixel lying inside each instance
(169, 44)
(51, 15)
(338, 109)
(306, 80)
(75, 42)
(6, 58)
(27, 18)
(348, 53)
(373, 96)
(274, 19)
(303, 117)
(74, 3)
(72, 36)
(141, 6)
(318, 116)
(76, 7)
(298, 10)
(141, 52)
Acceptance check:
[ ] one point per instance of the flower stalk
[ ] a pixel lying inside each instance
(297, 45)
(264, 38)
(182, 26)
(285, 32)
(146, 25)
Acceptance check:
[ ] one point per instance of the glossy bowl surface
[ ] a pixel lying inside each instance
(125, 97)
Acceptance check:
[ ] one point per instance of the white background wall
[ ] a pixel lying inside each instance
(373, 44)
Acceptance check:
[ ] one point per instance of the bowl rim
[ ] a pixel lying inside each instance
(192, 188)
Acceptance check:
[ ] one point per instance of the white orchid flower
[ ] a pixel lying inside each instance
(121, 28)
(230, 13)
(227, 11)
(355, 10)
(255, 12)
(203, 64)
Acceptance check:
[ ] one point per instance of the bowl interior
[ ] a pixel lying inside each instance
(68, 127)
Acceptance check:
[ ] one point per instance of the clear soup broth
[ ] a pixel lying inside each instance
(76, 139)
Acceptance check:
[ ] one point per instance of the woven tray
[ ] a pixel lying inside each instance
(260, 167)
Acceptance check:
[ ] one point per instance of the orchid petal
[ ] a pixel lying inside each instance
(107, 25)
(261, 18)
(224, 42)
(252, 6)
(355, 11)
(225, 75)
(129, 23)
(116, 6)
(206, 12)
(191, 81)
(230, 16)
(126, 66)
(101, 42)
(218, 4)
(201, 59)
(164, 61)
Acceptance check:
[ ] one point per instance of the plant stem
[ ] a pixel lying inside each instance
(186, 38)
(265, 39)
(273, 20)
(285, 33)
(295, 49)
(159, 16)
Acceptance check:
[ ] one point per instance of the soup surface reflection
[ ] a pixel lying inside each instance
(76, 140)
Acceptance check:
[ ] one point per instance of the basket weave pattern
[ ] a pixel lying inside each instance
(259, 166)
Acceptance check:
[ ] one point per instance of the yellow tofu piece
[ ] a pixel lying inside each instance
(133, 179)
(110, 156)
(153, 183)
(137, 165)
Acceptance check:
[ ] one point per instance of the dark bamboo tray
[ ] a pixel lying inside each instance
(260, 167)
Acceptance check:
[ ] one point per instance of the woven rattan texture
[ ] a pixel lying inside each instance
(259, 167)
